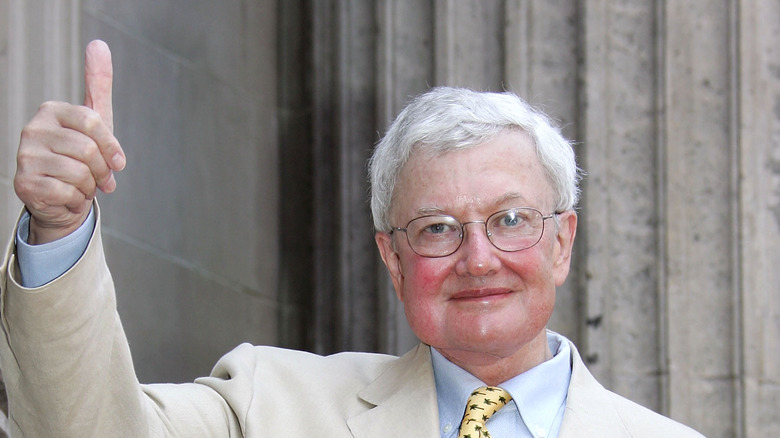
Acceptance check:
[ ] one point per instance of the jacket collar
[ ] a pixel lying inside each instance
(407, 391)
(403, 400)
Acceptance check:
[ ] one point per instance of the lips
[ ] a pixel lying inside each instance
(481, 294)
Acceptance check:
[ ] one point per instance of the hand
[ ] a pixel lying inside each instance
(67, 152)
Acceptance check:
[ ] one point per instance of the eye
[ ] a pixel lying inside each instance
(434, 228)
(511, 219)
(516, 220)
(438, 228)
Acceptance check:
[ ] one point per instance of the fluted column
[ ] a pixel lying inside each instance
(621, 208)
(405, 68)
(700, 223)
(758, 161)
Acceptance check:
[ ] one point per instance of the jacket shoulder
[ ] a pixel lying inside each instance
(592, 410)
(262, 366)
(643, 422)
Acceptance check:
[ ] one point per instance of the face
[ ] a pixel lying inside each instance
(479, 304)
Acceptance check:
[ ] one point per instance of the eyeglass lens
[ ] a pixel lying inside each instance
(514, 229)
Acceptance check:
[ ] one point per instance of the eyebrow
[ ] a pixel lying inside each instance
(425, 211)
(500, 201)
(511, 196)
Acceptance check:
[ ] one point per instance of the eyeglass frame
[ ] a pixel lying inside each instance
(483, 222)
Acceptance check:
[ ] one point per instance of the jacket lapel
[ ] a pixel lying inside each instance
(404, 403)
(589, 408)
(404, 400)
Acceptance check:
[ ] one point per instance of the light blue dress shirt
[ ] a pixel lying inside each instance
(538, 395)
(40, 264)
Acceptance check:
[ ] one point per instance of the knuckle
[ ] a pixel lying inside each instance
(23, 156)
(44, 124)
(26, 166)
(89, 152)
(80, 174)
(84, 179)
(91, 120)
(30, 132)
(101, 176)
(48, 106)
(21, 187)
(29, 192)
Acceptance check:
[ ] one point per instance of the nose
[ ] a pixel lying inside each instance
(477, 256)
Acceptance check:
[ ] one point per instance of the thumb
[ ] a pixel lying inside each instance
(98, 78)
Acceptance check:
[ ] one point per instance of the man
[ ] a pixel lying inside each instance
(472, 197)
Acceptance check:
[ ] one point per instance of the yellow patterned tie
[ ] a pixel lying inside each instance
(483, 403)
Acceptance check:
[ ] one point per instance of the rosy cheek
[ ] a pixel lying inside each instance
(527, 264)
(424, 278)
(422, 294)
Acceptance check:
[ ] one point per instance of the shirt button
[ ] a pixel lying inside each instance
(447, 428)
(539, 432)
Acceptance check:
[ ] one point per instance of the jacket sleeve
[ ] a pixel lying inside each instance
(67, 365)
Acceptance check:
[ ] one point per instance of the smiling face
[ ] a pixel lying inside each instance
(484, 309)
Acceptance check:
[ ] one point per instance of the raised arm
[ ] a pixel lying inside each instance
(64, 355)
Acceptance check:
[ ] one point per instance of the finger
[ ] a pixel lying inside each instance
(35, 167)
(93, 149)
(78, 174)
(85, 138)
(98, 79)
(53, 200)
(66, 195)
(59, 214)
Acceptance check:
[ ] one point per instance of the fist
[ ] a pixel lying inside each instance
(67, 152)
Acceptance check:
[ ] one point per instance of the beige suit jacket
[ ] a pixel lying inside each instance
(68, 372)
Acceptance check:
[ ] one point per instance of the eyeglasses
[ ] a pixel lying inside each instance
(510, 230)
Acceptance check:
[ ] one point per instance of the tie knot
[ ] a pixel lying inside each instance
(482, 404)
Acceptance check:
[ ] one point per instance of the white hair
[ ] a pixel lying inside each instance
(446, 119)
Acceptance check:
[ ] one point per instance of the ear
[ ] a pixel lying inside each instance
(564, 243)
(384, 241)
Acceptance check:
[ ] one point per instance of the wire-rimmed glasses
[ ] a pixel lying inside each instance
(513, 229)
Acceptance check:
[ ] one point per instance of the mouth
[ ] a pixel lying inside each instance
(481, 295)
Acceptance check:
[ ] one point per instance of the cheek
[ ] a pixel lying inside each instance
(533, 265)
(422, 295)
(424, 278)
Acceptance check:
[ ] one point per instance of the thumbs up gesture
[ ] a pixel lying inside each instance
(67, 152)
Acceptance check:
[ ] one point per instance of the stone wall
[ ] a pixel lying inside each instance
(224, 108)
(191, 235)
(193, 231)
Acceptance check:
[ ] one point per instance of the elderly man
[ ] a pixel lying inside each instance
(472, 197)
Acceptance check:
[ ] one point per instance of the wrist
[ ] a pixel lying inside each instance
(40, 234)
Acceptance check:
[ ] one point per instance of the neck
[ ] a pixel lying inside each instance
(494, 369)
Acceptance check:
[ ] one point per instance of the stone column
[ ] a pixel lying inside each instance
(405, 69)
(621, 208)
(343, 81)
(758, 159)
(700, 220)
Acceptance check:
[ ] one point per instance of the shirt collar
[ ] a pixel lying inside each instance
(539, 394)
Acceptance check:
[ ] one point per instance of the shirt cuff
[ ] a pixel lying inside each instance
(40, 264)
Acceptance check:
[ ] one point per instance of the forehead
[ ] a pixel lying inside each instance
(500, 173)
